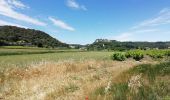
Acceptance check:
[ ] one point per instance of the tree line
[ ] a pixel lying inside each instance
(104, 44)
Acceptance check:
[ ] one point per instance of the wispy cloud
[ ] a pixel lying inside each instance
(123, 37)
(163, 17)
(7, 8)
(75, 5)
(2, 23)
(61, 24)
(17, 3)
(146, 28)
(127, 36)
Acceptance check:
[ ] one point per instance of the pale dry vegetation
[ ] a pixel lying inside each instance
(60, 80)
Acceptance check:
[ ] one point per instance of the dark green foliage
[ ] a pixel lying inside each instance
(118, 56)
(168, 53)
(2, 43)
(11, 35)
(104, 44)
(138, 56)
(40, 45)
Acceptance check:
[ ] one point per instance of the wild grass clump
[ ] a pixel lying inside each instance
(71, 88)
(119, 56)
(143, 82)
(116, 92)
(151, 71)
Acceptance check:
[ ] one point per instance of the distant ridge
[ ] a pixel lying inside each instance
(105, 44)
(12, 35)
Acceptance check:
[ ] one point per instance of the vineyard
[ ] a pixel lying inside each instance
(140, 54)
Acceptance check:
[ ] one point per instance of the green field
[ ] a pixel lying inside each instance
(22, 57)
(20, 50)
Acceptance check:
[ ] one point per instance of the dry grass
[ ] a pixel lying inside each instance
(62, 80)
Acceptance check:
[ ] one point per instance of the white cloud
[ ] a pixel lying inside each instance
(162, 18)
(146, 30)
(61, 24)
(151, 29)
(83, 8)
(74, 5)
(2, 23)
(133, 34)
(17, 3)
(7, 9)
(123, 37)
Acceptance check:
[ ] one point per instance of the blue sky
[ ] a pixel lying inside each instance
(83, 21)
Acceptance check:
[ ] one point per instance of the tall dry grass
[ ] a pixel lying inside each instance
(62, 80)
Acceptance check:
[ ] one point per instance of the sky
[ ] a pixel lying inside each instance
(84, 21)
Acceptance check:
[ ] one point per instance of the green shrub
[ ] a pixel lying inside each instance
(129, 54)
(168, 53)
(156, 55)
(138, 56)
(135, 54)
(119, 56)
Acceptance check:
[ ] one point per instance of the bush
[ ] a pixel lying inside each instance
(119, 56)
(135, 54)
(138, 56)
(167, 53)
(129, 54)
(156, 55)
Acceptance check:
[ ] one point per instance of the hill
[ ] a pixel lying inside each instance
(11, 35)
(104, 44)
